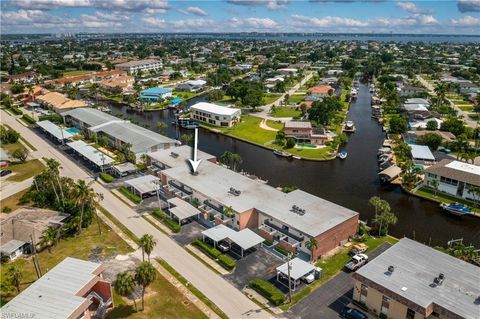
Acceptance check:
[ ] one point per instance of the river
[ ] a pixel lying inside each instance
(349, 183)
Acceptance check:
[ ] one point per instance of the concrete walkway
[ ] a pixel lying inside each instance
(223, 294)
(263, 125)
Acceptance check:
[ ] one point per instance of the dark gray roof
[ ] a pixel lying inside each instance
(91, 117)
(415, 267)
(459, 171)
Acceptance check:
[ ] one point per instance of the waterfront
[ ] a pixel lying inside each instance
(349, 183)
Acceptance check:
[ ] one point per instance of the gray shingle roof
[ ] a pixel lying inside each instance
(446, 168)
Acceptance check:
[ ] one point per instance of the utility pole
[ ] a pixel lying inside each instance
(289, 278)
(36, 264)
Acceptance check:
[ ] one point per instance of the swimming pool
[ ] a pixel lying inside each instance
(304, 145)
(73, 130)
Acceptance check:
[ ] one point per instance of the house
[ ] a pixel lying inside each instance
(143, 66)
(422, 124)
(409, 90)
(303, 132)
(12, 249)
(26, 77)
(71, 80)
(287, 71)
(288, 220)
(468, 87)
(72, 289)
(191, 86)
(125, 83)
(155, 94)
(411, 280)
(454, 178)
(321, 91)
(59, 102)
(421, 154)
(215, 114)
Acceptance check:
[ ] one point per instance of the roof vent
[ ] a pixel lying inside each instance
(234, 191)
(298, 210)
(173, 154)
(439, 280)
(391, 269)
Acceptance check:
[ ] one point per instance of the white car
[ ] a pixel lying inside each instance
(357, 261)
(223, 247)
(309, 278)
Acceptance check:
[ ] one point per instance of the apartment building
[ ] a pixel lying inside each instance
(215, 114)
(146, 65)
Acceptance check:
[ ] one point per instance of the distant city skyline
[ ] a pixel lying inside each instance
(342, 16)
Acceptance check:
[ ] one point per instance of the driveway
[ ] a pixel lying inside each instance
(328, 300)
(258, 264)
(188, 233)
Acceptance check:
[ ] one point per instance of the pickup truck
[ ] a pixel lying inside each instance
(356, 262)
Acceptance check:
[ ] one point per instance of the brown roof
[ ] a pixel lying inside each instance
(441, 169)
(112, 72)
(298, 124)
(324, 89)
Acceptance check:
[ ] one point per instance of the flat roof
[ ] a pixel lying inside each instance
(138, 62)
(91, 117)
(214, 108)
(215, 182)
(11, 246)
(55, 130)
(182, 209)
(218, 233)
(144, 184)
(459, 171)
(244, 238)
(421, 152)
(91, 153)
(54, 294)
(415, 267)
(125, 167)
(298, 124)
(177, 156)
(298, 268)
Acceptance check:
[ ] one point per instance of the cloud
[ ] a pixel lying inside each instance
(465, 22)
(48, 4)
(103, 20)
(133, 5)
(270, 4)
(253, 23)
(412, 20)
(180, 25)
(468, 5)
(28, 17)
(328, 21)
(412, 8)
(196, 11)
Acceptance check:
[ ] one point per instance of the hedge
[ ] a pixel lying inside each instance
(107, 178)
(269, 291)
(282, 251)
(16, 110)
(134, 198)
(27, 118)
(227, 262)
(207, 249)
(167, 221)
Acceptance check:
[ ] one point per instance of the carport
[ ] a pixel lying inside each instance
(124, 169)
(54, 130)
(298, 269)
(142, 185)
(91, 154)
(245, 239)
(181, 209)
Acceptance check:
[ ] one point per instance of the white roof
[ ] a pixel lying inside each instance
(196, 82)
(11, 246)
(415, 107)
(244, 238)
(176, 156)
(55, 130)
(421, 152)
(125, 167)
(298, 268)
(54, 295)
(144, 184)
(464, 167)
(214, 108)
(91, 153)
(182, 209)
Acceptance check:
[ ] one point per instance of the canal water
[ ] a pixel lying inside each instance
(350, 182)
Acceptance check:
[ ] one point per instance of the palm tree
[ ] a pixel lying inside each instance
(124, 285)
(145, 274)
(53, 169)
(147, 243)
(435, 183)
(14, 277)
(186, 138)
(50, 237)
(84, 195)
(311, 245)
(440, 90)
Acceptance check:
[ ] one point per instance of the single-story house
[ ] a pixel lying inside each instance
(421, 154)
(321, 91)
(12, 249)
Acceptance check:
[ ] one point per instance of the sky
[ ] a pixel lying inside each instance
(350, 16)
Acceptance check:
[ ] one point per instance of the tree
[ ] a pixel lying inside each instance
(432, 125)
(215, 95)
(383, 215)
(8, 136)
(311, 245)
(84, 196)
(232, 160)
(398, 124)
(290, 142)
(145, 274)
(475, 192)
(13, 277)
(186, 138)
(453, 125)
(50, 237)
(147, 243)
(432, 140)
(17, 88)
(323, 112)
(434, 183)
(124, 285)
(20, 154)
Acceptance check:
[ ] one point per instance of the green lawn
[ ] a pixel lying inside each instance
(12, 146)
(286, 111)
(318, 154)
(184, 95)
(274, 124)
(75, 73)
(296, 98)
(12, 202)
(270, 97)
(80, 246)
(25, 170)
(440, 197)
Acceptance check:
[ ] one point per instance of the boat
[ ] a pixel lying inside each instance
(342, 154)
(297, 157)
(349, 127)
(456, 209)
(282, 153)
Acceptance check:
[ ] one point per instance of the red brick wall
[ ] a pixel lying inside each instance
(248, 219)
(283, 244)
(265, 234)
(103, 288)
(332, 237)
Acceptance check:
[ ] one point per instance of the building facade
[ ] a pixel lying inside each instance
(303, 132)
(215, 114)
(133, 67)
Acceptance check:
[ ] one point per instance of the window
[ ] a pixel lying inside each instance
(385, 305)
(410, 314)
(449, 181)
(363, 293)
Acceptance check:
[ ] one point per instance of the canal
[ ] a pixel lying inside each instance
(349, 182)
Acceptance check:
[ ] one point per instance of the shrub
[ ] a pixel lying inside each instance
(281, 250)
(166, 220)
(207, 249)
(54, 118)
(107, 178)
(269, 291)
(27, 118)
(268, 242)
(227, 262)
(16, 110)
(134, 198)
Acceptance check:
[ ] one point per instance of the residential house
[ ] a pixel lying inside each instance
(155, 94)
(409, 90)
(191, 86)
(287, 71)
(26, 77)
(468, 87)
(143, 66)
(125, 83)
(414, 281)
(73, 289)
(421, 154)
(303, 132)
(214, 114)
(59, 102)
(321, 91)
(454, 178)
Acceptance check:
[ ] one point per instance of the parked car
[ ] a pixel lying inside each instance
(357, 261)
(5, 172)
(352, 313)
(358, 249)
(223, 246)
(309, 278)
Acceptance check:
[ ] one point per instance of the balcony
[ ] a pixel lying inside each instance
(213, 206)
(284, 231)
(180, 188)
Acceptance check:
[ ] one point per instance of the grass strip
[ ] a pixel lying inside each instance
(124, 229)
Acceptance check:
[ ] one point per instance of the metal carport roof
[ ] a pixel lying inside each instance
(246, 238)
(144, 184)
(298, 268)
(55, 130)
(182, 209)
(217, 233)
(91, 153)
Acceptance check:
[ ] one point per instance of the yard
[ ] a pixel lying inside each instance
(12, 202)
(318, 154)
(286, 111)
(440, 197)
(296, 98)
(184, 95)
(460, 102)
(25, 170)
(270, 97)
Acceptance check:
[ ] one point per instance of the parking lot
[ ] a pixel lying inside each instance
(188, 233)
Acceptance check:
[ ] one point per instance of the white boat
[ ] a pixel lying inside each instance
(349, 127)
(282, 153)
(297, 157)
(342, 154)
